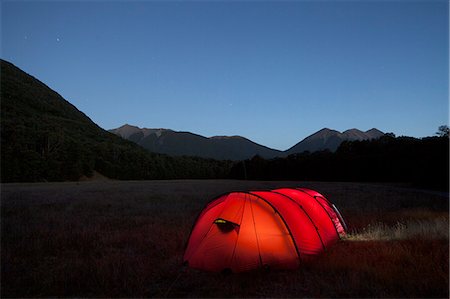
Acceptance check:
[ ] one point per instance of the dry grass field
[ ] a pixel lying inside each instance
(126, 239)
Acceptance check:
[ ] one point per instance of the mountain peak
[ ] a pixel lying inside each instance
(126, 131)
(331, 139)
(354, 134)
(128, 126)
(353, 130)
(325, 132)
(374, 133)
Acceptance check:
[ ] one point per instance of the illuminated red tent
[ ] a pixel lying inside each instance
(279, 229)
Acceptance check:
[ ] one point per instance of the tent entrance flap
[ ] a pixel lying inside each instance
(226, 226)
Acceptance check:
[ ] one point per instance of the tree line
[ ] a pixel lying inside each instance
(421, 162)
(50, 155)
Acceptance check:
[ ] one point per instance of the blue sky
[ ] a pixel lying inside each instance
(272, 71)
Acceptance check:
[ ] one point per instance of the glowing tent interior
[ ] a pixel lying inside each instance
(241, 231)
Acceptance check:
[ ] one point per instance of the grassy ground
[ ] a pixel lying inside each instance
(126, 239)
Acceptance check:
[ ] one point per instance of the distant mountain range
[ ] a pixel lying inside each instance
(175, 143)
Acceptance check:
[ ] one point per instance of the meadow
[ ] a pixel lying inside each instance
(127, 238)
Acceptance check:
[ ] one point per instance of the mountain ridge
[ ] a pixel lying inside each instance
(235, 147)
(181, 143)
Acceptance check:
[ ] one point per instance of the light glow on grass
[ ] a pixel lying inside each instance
(437, 228)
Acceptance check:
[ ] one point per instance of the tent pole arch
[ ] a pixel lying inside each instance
(329, 216)
(340, 216)
(333, 206)
(306, 213)
(256, 233)
(284, 221)
(237, 239)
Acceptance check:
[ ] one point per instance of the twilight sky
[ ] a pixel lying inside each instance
(272, 71)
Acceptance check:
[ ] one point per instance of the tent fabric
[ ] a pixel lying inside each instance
(280, 229)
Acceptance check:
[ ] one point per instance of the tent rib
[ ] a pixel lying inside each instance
(284, 221)
(339, 216)
(203, 238)
(329, 216)
(256, 234)
(237, 238)
(306, 213)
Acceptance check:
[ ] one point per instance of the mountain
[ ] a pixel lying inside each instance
(46, 138)
(175, 143)
(331, 139)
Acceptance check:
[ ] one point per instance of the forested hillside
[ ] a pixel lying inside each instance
(45, 138)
